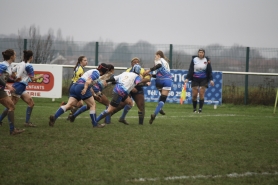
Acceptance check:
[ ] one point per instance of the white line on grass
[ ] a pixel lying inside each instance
(231, 175)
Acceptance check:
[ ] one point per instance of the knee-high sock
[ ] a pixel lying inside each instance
(141, 117)
(79, 111)
(194, 104)
(158, 107)
(107, 118)
(126, 109)
(93, 117)
(102, 115)
(28, 114)
(11, 120)
(59, 112)
(201, 103)
(4, 114)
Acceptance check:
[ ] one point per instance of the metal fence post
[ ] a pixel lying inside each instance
(25, 44)
(246, 76)
(96, 55)
(171, 55)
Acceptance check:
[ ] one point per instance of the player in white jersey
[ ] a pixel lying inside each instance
(81, 91)
(137, 94)
(200, 73)
(24, 74)
(5, 73)
(163, 81)
(167, 67)
(125, 82)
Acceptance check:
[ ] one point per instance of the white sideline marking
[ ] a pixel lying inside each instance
(231, 175)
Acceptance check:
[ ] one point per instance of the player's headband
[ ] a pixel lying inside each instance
(103, 68)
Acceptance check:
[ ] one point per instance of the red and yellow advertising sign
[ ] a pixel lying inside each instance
(42, 84)
(50, 85)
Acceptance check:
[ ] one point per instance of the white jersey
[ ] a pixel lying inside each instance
(93, 74)
(5, 72)
(164, 70)
(9, 67)
(200, 67)
(24, 71)
(126, 81)
(164, 64)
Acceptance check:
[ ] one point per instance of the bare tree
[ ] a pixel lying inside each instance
(180, 59)
(40, 45)
(177, 62)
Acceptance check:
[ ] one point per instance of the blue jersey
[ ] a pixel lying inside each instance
(164, 71)
(76, 88)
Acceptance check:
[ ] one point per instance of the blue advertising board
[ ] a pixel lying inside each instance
(213, 94)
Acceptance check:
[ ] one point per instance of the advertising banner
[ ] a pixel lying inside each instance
(50, 86)
(213, 94)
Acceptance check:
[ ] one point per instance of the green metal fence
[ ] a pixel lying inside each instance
(224, 58)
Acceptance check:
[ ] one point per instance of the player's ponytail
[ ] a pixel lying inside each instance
(8, 54)
(27, 54)
(103, 68)
(161, 54)
(78, 62)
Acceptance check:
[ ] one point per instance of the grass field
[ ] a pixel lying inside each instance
(228, 145)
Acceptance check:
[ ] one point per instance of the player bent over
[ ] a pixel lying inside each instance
(125, 82)
(81, 91)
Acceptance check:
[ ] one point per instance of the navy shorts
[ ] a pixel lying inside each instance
(117, 99)
(165, 83)
(199, 82)
(95, 89)
(19, 88)
(75, 92)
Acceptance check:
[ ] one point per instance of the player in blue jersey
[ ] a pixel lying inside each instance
(81, 91)
(200, 74)
(24, 74)
(96, 90)
(125, 82)
(5, 73)
(78, 71)
(163, 81)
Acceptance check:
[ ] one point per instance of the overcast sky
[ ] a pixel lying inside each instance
(251, 23)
